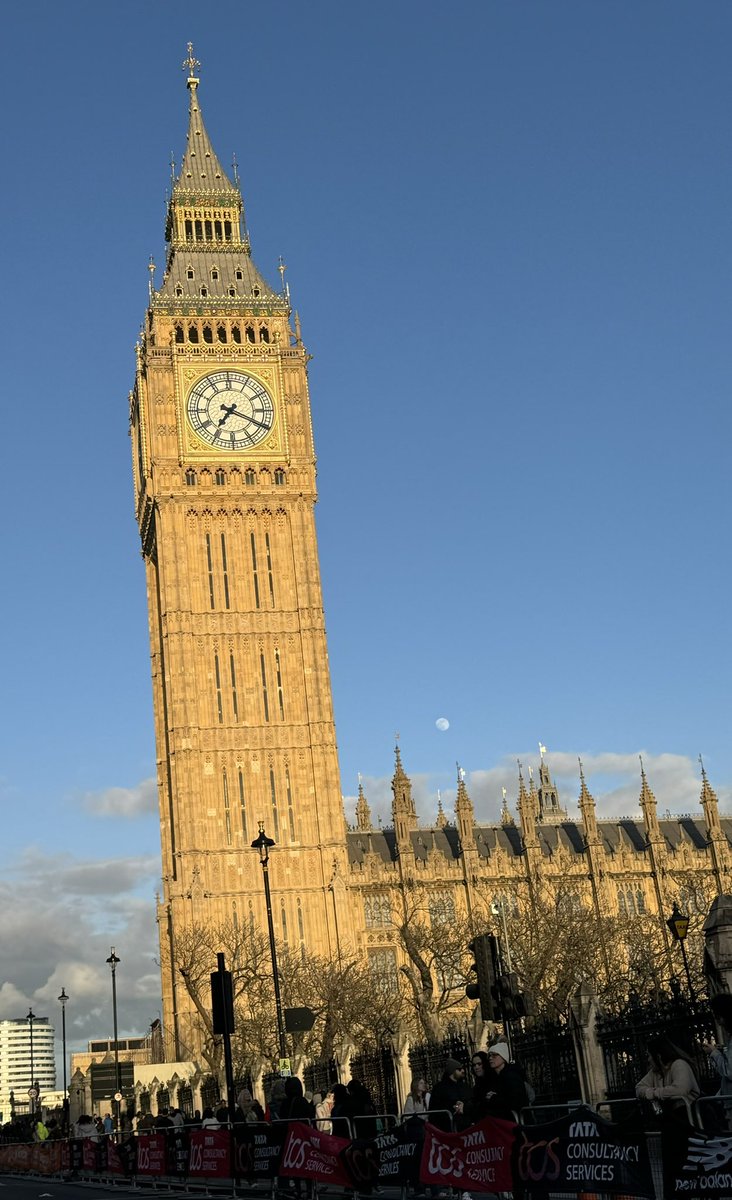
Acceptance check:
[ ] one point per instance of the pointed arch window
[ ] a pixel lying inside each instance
(190, 273)
(265, 699)
(250, 478)
(264, 334)
(227, 810)
(300, 926)
(221, 333)
(242, 805)
(238, 274)
(255, 573)
(280, 692)
(249, 333)
(270, 575)
(214, 273)
(273, 796)
(209, 564)
(236, 334)
(219, 701)
(283, 912)
(179, 293)
(193, 333)
(190, 477)
(290, 809)
(279, 477)
(234, 696)
(225, 568)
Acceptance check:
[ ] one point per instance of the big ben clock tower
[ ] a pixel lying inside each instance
(225, 491)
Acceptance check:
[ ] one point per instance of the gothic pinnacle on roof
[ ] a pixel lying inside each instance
(200, 170)
(363, 810)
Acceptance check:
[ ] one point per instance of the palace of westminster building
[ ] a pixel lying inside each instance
(225, 492)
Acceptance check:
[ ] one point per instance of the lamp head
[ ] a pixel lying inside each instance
(262, 843)
(678, 923)
(63, 998)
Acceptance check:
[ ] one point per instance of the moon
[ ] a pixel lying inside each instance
(442, 724)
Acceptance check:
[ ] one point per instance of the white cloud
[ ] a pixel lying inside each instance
(60, 916)
(137, 801)
(614, 780)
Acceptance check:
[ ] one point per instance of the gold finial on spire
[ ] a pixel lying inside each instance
(189, 64)
(441, 815)
(235, 169)
(151, 278)
(282, 267)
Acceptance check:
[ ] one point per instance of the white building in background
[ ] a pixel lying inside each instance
(15, 1060)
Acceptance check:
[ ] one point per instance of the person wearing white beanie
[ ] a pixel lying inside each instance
(508, 1095)
(500, 1050)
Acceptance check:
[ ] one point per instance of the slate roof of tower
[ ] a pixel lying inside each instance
(201, 171)
(227, 260)
(625, 833)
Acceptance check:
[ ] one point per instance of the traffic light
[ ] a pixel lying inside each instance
(512, 1002)
(485, 953)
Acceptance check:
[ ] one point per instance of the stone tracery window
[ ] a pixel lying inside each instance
(377, 910)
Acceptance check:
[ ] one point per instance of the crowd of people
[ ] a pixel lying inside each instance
(498, 1088)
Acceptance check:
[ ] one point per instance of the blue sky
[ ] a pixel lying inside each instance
(507, 234)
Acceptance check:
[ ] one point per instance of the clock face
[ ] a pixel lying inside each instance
(230, 410)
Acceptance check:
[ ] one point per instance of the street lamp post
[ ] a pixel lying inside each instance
(62, 1001)
(31, 1091)
(678, 923)
(113, 961)
(262, 844)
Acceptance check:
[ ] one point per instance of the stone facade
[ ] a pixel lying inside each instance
(225, 491)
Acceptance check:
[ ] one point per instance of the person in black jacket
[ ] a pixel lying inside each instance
(296, 1107)
(506, 1094)
(483, 1075)
(450, 1093)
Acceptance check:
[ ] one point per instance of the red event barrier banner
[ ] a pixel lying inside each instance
(310, 1154)
(151, 1154)
(210, 1153)
(476, 1160)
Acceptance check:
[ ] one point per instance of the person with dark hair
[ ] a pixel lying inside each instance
(720, 1057)
(296, 1107)
(449, 1098)
(671, 1079)
(482, 1074)
(275, 1101)
(417, 1100)
(363, 1110)
(342, 1111)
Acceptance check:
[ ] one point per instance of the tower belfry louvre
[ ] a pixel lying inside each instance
(224, 469)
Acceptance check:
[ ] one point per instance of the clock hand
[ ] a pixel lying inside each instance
(254, 421)
(228, 411)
